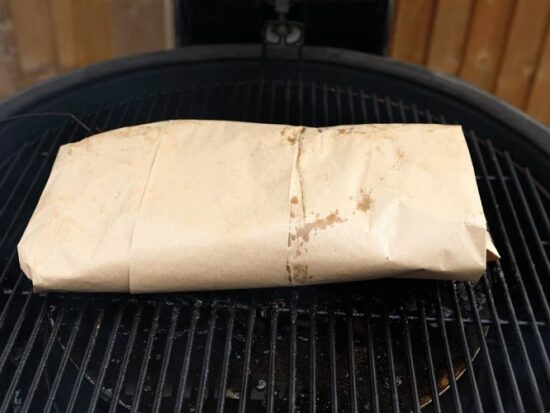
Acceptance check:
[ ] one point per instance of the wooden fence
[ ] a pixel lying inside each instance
(503, 46)
(42, 38)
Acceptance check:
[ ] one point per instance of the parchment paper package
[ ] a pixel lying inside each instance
(193, 205)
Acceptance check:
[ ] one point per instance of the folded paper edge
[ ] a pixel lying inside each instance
(492, 253)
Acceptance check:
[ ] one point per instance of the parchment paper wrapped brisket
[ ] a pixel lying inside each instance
(194, 205)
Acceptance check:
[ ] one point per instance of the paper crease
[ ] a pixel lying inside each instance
(138, 212)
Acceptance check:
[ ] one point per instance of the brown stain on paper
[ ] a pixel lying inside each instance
(318, 224)
(301, 273)
(364, 203)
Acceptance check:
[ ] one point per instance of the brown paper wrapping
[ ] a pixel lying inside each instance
(196, 205)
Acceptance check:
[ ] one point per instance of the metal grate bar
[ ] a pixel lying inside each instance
(29, 397)
(372, 366)
(18, 183)
(247, 357)
(86, 359)
(3, 277)
(339, 104)
(187, 357)
(533, 227)
(24, 357)
(260, 99)
(247, 97)
(226, 355)
(313, 103)
(25, 170)
(313, 359)
(351, 361)
(351, 105)
(332, 354)
(179, 103)
(292, 369)
(12, 162)
(325, 104)
(540, 290)
(126, 358)
(448, 357)
(146, 358)
(521, 341)
(301, 102)
(468, 356)
(30, 189)
(388, 109)
(364, 106)
(504, 347)
(538, 201)
(391, 363)
(14, 332)
(7, 307)
(376, 108)
(208, 98)
(486, 355)
(203, 385)
(517, 274)
(272, 355)
(410, 360)
(106, 359)
(489, 294)
(287, 101)
(166, 359)
(272, 101)
(63, 363)
(429, 357)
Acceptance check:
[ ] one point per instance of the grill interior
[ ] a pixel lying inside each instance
(388, 345)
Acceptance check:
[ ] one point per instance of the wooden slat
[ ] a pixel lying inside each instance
(169, 24)
(449, 34)
(138, 26)
(8, 58)
(64, 33)
(486, 41)
(411, 31)
(93, 31)
(539, 100)
(33, 36)
(521, 55)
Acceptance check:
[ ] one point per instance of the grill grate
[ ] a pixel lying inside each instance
(374, 346)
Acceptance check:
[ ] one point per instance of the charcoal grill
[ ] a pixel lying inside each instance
(388, 345)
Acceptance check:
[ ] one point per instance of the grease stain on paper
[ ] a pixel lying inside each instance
(301, 273)
(319, 224)
(364, 203)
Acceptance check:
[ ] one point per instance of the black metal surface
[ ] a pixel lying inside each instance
(392, 345)
(361, 25)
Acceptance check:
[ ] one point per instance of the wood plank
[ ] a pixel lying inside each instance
(520, 59)
(138, 26)
(8, 58)
(64, 33)
(485, 46)
(169, 24)
(93, 31)
(449, 34)
(539, 102)
(411, 31)
(33, 36)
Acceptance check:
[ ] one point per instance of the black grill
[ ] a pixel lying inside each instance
(387, 345)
